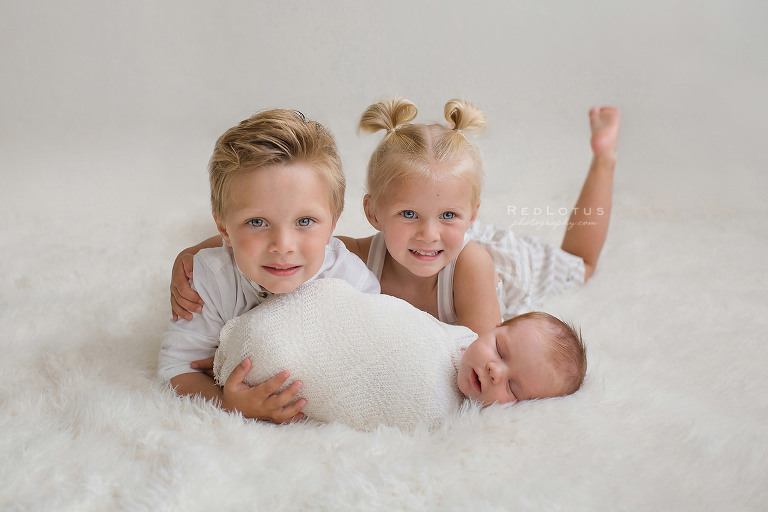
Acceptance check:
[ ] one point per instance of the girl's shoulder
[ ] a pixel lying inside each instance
(473, 257)
(474, 289)
(357, 246)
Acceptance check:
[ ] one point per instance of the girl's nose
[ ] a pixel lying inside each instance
(428, 232)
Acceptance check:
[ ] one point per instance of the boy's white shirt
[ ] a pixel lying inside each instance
(227, 293)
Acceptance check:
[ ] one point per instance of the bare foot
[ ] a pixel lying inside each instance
(604, 122)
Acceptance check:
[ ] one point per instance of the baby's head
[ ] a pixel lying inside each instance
(413, 151)
(533, 355)
(277, 190)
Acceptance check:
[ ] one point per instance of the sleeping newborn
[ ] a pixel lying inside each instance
(364, 359)
(367, 359)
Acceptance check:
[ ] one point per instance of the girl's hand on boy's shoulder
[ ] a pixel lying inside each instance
(263, 402)
(184, 300)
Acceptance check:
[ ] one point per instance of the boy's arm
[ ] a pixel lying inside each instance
(185, 300)
(474, 289)
(190, 340)
(258, 402)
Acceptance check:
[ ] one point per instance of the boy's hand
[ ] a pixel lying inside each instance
(204, 365)
(184, 300)
(261, 402)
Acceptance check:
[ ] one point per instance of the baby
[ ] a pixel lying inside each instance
(367, 360)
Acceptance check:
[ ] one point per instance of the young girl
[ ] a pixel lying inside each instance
(424, 184)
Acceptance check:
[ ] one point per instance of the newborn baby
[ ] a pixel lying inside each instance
(367, 360)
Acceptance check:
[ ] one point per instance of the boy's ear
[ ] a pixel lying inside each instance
(222, 230)
(333, 228)
(370, 211)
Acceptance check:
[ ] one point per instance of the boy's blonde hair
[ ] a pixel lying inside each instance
(409, 150)
(275, 137)
(565, 349)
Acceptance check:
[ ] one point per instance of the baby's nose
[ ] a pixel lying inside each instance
(493, 370)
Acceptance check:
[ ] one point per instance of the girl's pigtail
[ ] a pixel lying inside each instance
(387, 115)
(464, 116)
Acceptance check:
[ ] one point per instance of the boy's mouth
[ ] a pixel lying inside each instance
(282, 270)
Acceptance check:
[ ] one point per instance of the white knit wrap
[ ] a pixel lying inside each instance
(364, 359)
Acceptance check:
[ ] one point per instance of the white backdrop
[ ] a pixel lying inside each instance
(108, 114)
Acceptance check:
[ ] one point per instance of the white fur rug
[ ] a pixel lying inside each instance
(103, 148)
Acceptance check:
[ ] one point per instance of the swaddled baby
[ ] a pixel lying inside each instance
(364, 359)
(367, 360)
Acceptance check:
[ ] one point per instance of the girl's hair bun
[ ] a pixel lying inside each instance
(388, 115)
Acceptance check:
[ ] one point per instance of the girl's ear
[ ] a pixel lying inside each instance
(370, 211)
(222, 230)
(474, 213)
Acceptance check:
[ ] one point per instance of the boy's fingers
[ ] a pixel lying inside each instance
(273, 384)
(237, 376)
(286, 396)
(298, 418)
(293, 412)
(203, 364)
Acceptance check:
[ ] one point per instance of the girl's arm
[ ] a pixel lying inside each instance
(474, 289)
(184, 300)
(357, 246)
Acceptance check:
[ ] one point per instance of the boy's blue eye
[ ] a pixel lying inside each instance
(257, 223)
(304, 222)
(448, 216)
(408, 214)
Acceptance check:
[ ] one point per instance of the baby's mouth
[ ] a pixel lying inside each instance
(425, 253)
(476, 381)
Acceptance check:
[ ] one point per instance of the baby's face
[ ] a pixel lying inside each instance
(509, 364)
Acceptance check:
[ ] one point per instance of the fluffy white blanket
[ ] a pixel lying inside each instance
(364, 360)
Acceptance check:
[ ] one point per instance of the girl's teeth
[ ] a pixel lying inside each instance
(433, 253)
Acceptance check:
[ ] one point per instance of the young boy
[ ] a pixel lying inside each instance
(367, 360)
(277, 191)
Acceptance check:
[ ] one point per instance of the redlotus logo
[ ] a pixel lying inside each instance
(550, 217)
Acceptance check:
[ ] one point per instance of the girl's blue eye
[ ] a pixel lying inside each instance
(408, 214)
(304, 222)
(448, 216)
(257, 223)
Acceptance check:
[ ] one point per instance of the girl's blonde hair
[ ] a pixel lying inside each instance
(410, 150)
(275, 137)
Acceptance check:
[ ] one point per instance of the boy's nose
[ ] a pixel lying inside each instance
(281, 242)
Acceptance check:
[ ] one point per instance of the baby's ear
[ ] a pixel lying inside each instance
(370, 211)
